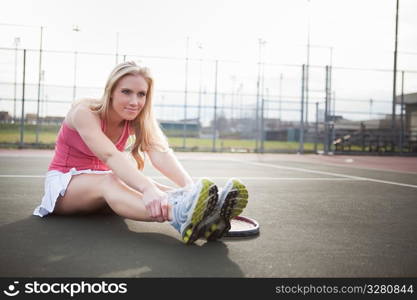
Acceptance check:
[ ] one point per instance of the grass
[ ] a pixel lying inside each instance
(10, 133)
(240, 144)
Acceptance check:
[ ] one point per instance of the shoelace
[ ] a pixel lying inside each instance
(175, 194)
(180, 205)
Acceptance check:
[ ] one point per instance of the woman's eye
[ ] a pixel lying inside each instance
(142, 94)
(125, 92)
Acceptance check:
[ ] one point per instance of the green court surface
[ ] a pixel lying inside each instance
(330, 217)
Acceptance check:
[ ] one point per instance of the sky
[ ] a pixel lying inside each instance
(344, 33)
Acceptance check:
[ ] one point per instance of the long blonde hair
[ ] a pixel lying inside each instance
(148, 134)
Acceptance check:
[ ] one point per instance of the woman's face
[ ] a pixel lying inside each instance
(129, 96)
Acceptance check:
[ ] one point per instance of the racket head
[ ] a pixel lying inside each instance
(243, 227)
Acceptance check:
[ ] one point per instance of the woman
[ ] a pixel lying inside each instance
(89, 171)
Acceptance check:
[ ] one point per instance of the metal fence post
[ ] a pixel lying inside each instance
(16, 41)
(262, 125)
(74, 89)
(39, 90)
(22, 117)
(215, 109)
(301, 135)
(332, 106)
(326, 113)
(402, 114)
(316, 127)
(258, 84)
(394, 89)
(117, 48)
(185, 98)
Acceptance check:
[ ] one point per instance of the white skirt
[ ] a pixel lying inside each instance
(56, 184)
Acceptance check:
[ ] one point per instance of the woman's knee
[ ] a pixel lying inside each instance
(84, 193)
(108, 184)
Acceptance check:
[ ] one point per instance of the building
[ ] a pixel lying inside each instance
(410, 103)
(5, 117)
(176, 128)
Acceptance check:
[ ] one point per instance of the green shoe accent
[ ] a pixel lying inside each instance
(234, 203)
(205, 204)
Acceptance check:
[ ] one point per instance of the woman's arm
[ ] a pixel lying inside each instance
(168, 164)
(162, 187)
(87, 125)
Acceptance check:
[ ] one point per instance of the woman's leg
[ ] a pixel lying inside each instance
(88, 193)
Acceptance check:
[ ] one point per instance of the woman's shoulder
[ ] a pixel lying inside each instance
(81, 108)
(86, 102)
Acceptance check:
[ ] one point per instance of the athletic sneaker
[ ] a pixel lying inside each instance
(232, 200)
(191, 206)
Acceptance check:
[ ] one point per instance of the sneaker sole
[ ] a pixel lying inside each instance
(206, 203)
(236, 200)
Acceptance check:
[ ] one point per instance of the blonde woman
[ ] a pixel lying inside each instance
(89, 171)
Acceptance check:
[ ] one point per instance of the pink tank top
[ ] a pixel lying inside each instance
(72, 152)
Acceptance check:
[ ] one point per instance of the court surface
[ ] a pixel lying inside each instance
(319, 216)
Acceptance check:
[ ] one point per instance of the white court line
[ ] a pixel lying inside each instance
(326, 173)
(218, 178)
(274, 178)
(361, 168)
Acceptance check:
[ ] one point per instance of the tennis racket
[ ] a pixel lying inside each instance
(243, 227)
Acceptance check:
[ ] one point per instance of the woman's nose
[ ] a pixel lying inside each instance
(134, 101)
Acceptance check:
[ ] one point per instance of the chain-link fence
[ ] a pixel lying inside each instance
(219, 105)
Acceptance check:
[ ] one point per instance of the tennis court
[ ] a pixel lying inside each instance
(319, 216)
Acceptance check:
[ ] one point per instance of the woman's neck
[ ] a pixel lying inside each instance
(114, 120)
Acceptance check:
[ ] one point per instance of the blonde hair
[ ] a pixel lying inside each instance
(148, 134)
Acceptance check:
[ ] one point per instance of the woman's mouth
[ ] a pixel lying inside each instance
(131, 110)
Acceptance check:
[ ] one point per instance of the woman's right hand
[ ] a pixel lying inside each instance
(156, 203)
